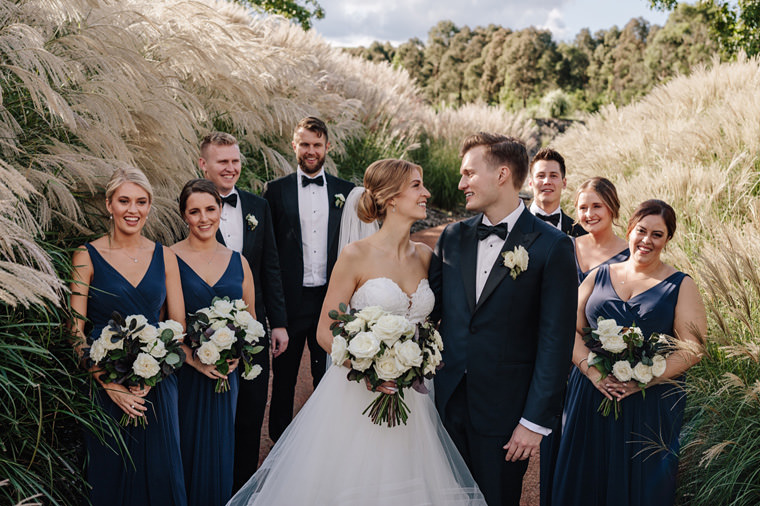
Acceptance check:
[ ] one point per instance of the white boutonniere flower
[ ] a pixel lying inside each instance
(340, 199)
(516, 261)
(252, 221)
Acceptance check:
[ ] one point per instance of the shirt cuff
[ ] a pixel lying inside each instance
(535, 428)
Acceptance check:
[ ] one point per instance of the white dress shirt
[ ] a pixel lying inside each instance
(537, 210)
(231, 223)
(488, 251)
(313, 210)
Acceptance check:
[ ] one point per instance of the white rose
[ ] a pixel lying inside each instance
(658, 365)
(642, 373)
(97, 350)
(509, 259)
(408, 353)
(208, 353)
(240, 304)
(223, 308)
(219, 324)
(339, 351)
(223, 338)
(613, 343)
(364, 345)
(361, 364)
(622, 370)
(156, 348)
(148, 334)
(106, 336)
(175, 327)
(242, 318)
(205, 311)
(388, 366)
(355, 326)
(608, 328)
(253, 373)
(521, 258)
(370, 314)
(145, 366)
(437, 340)
(389, 328)
(139, 320)
(254, 331)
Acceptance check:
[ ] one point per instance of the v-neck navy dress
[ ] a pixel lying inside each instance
(207, 418)
(151, 474)
(631, 461)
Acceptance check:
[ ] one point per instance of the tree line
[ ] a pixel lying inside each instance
(527, 68)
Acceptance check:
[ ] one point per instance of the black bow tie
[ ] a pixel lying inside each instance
(306, 181)
(230, 199)
(553, 218)
(485, 230)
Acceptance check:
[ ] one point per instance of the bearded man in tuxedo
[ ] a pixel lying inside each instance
(506, 295)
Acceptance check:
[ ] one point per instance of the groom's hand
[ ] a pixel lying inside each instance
(523, 444)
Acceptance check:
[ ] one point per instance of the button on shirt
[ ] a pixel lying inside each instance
(535, 210)
(231, 224)
(313, 208)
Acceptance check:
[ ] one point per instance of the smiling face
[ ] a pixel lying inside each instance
(412, 201)
(547, 183)
(221, 165)
(593, 214)
(647, 239)
(129, 205)
(479, 180)
(202, 214)
(310, 148)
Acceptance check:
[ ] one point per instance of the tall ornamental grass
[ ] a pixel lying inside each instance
(695, 143)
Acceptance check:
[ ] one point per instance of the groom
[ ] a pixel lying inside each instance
(507, 323)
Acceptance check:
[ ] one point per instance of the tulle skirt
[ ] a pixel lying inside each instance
(332, 454)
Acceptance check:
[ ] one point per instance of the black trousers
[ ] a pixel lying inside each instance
(302, 329)
(499, 480)
(249, 417)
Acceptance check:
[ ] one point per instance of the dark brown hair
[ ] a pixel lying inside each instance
(654, 207)
(314, 124)
(606, 191)
(501, 150)
(549, 154)
(197, 186)
(383, 180)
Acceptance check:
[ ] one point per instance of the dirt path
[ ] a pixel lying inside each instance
(530, 496)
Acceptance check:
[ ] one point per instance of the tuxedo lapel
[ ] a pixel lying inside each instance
(219, 237)
(290, 205)
(469, 260)
(522, 235)
(246, 208)
(334, 211)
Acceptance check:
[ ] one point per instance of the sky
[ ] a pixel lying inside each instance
(360, 22)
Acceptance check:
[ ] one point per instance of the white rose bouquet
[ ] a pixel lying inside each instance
(385, 347)
(625, 353)
(132, 352)
(225, 331)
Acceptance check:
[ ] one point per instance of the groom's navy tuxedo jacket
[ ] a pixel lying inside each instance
(515, 343)
(282, 195)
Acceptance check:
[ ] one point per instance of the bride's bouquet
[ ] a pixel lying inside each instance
(224, 331)
(385, 347)
(625, 353)
(131, 352)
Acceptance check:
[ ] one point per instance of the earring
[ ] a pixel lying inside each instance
(110, 217)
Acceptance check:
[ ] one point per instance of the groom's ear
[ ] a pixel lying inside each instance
(505, 175)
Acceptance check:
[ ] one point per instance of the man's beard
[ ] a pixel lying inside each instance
(308, 170)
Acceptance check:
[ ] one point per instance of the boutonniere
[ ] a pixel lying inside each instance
(252, 221)
(339, 200)
(516, 261)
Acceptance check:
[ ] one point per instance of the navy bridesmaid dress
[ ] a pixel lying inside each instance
(207, 418)
(151, 474)
(631, 461)
(620, 257)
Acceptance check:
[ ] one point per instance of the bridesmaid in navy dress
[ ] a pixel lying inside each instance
(632, 460)
(207, 418)
(598, 208)
(125, 272)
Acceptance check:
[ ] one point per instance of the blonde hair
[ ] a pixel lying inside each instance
(128, 175)
(383, 180)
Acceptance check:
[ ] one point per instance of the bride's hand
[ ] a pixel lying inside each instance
(386, 387)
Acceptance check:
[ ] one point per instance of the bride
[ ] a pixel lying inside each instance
(333, 454)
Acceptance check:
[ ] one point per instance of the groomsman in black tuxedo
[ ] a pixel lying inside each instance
(547, 178)
(246, 227)
(306, 208)
(507, 321)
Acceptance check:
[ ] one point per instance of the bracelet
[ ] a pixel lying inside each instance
(587, 366)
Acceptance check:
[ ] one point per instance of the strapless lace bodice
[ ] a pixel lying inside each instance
(384, 292)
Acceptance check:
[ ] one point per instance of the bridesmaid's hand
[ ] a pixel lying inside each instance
(386, 387)
(140, 391)
(603, 385)
(208, 370)
(233, 363)
(626, 389)
(131, 404)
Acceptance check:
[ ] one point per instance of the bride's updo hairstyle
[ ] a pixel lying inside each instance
(383, 180)
(128, 175)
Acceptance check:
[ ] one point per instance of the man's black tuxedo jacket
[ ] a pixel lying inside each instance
(570, 227)
(260, 249)
(515, 344)
(282, 195)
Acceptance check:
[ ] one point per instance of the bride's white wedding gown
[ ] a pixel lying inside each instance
(331, 454)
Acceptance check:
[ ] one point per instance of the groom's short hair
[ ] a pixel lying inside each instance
(501, 150)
